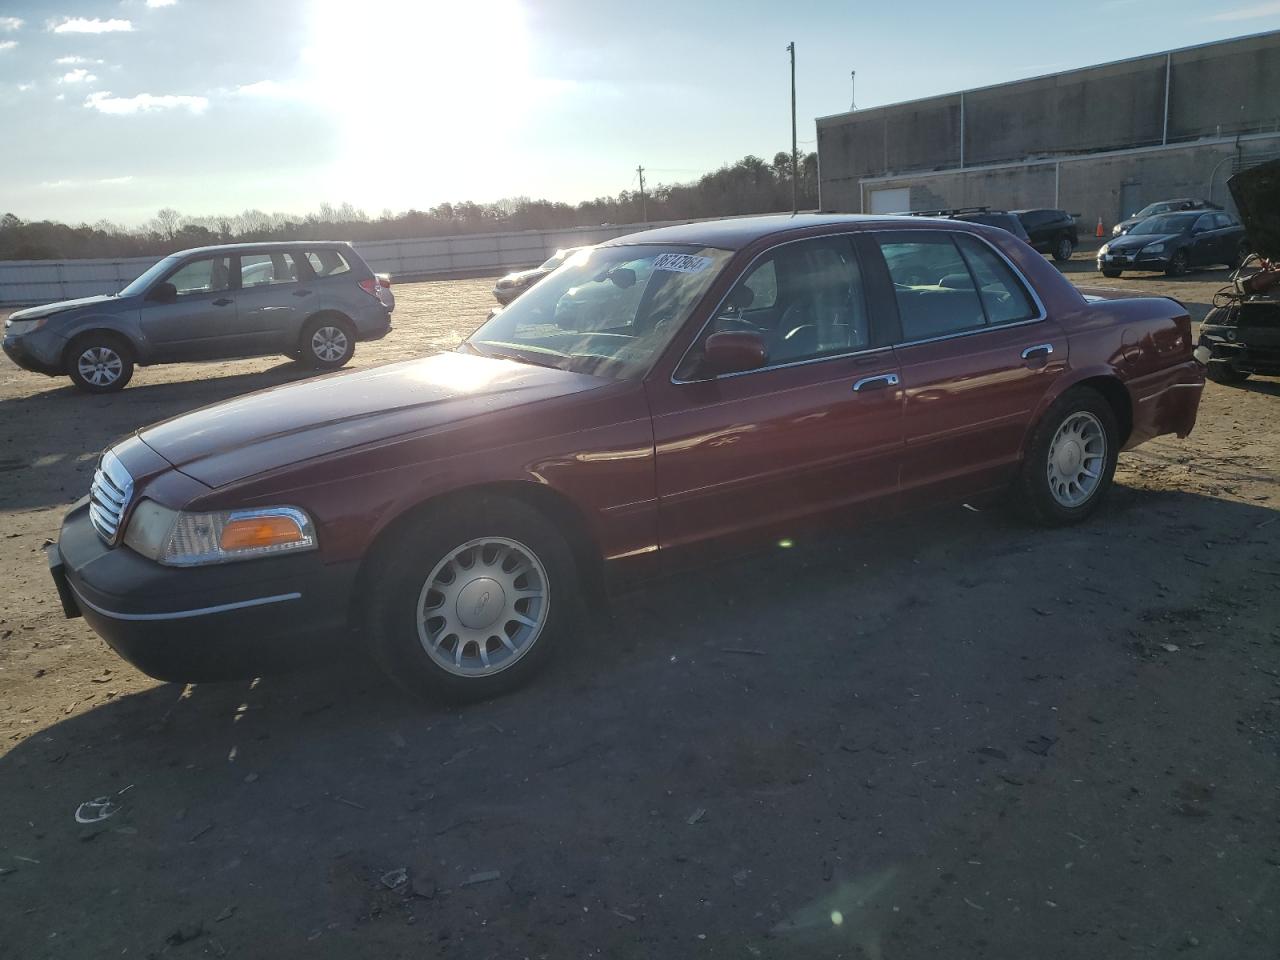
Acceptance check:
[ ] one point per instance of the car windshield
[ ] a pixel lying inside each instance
(607, 311)
(150, 276)
(1172, 223)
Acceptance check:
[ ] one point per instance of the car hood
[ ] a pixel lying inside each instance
(274, 428)
(1256, 192)
(517, 277)
(1130, 242)
(62, 306)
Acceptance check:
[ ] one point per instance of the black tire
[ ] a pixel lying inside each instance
(99, 362)
(1111, 272)
(399, 584)
(1178, 264)
(327, 342)
(1063, 248)
(1032, 489)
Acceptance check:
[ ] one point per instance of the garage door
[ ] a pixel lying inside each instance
(897, 200)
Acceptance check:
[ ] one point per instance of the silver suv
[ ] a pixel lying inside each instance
(310, 300)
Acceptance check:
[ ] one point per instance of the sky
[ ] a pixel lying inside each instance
(112, 109)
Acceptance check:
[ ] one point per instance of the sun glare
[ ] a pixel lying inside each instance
(424, 93)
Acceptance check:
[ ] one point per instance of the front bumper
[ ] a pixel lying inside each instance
(1252, 356)
(221, 622)
(20, 352)
(1135, 261)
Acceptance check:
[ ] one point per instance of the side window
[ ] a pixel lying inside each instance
(327, 262)
(264, 269)
(934, 289)
(209, 275)
(1221, 221)
(763, 284)
(1204, 223)
(1004, 298)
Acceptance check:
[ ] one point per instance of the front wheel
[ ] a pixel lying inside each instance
(1111, 272)
(1226, 374)
(1241, 255)
(1071, 459)
(1178, 264)
(470, 602)
(327, 343)
(1063, 249)
(100, 363)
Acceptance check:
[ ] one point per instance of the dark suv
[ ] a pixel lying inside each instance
(992, 218)
(1050, 231)
(310, 300)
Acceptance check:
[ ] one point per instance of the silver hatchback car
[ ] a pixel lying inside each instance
(310, 300)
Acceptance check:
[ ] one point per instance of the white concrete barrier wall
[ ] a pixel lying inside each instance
(44, 281)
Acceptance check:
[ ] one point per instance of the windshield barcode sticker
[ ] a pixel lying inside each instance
(681, 262)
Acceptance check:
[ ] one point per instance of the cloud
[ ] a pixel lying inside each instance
(85, 25)
(9, 24)
(1249, 13)
(79, 75)
(154, 4)
(104, 102)
(78, 184)
(7, 45)
(73, 61)
(270, 89)
(24, 87)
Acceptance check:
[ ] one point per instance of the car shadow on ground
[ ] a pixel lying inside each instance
(46, 473)
(704, 744)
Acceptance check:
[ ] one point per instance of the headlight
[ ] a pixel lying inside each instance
(182, 539)
(1103, 249)
(1117, 229)
(16, 328)
(1153, 248)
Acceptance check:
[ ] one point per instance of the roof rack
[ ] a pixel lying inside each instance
(950, 212)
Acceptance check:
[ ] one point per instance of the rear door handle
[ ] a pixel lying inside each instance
(1040, 351)
(876, 383)
(222, 301)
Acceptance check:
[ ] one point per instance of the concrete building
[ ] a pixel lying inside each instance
(1100, 141)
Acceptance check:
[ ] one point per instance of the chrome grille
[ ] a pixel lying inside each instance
(109, 496)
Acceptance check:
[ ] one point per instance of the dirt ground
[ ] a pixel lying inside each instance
(955, 736)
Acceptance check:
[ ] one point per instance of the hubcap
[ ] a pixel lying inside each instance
(100, 366)
(1077, 457)
(329, 343)
(483, 607)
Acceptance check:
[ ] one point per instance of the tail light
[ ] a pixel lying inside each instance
(384, 279)
(370, 286)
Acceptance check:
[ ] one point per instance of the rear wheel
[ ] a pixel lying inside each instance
(327, 343)
(100, 362)
(1063, 249)
(1071, 459)
(470, 602)
(1111, 272)
(1178, 264)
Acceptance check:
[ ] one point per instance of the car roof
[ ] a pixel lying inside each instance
(264, 245)
(737, 232)
(1038, 210)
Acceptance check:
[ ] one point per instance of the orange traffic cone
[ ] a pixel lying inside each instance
(1099, 232)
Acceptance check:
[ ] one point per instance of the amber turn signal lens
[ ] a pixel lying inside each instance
(250, 532)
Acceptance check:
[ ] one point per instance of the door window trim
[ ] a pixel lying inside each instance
(847, 235)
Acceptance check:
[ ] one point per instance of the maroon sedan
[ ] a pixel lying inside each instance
(684, 387)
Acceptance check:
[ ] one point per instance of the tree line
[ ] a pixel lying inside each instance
(751, 185)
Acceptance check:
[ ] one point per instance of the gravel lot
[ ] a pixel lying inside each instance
(952, 737)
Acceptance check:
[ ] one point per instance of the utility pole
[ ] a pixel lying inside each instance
(644, 203)
(795, 195)
(853, 95)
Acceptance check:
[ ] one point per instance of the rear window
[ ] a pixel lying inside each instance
(264, 269)
(327, 262)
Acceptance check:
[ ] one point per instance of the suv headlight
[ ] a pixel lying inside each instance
(178, 538)
(18, 328)
(1153, 248)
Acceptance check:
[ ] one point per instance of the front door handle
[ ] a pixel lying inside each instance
(876, 383)
(222, 301)
(1040, 351)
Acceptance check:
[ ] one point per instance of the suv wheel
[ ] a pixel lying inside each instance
(327, 343)
(470, 602)
(1070, 460)
(100, 363)
(1063, 249)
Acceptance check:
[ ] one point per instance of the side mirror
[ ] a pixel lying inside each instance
(163, 293)
(733, 351)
